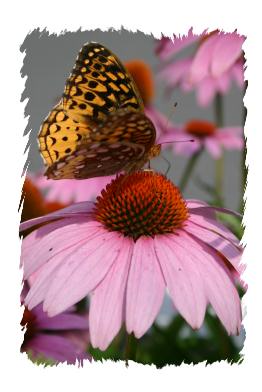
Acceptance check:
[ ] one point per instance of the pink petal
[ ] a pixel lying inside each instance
(83, 208)
(227, 50)
(82, 271)
(67, 191)
(40, 284)
(159, 120)
(231, 137)
(206, 91)
(219, 288)
(188, 149)
(183, 280)
(202, 60)
(213, 147)
(54, 347)
(213, 225)
(167, 47)
(145, 288)
(194, 203)
(223, 83)
(232, 253)
(173, 134)
(63, 321)
(237, 72)
(48, 241)
(175, 72)
(107, 301)
(203, 210)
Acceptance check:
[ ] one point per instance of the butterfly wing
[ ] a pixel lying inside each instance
(120, 143)
(60, 134)
(98, 85)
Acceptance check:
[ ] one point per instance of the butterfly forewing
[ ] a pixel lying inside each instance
(60, 134)
(99, 84)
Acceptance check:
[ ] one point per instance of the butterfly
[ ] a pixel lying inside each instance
(99, 127)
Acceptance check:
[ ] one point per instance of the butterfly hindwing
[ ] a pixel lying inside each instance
(117, 144)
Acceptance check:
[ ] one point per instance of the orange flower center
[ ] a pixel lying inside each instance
(200, 128)
(141, 203)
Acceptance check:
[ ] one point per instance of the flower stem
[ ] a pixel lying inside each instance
(188, 170)
(219, 168)
(243, 163)
(131, 348)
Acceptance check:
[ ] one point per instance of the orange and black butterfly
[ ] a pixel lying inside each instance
(99, 127)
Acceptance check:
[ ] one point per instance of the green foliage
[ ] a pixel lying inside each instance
(177, 343)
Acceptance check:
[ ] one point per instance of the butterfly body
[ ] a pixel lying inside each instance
(99, 128)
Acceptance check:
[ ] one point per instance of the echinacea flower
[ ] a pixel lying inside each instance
(63, 338)
(218, 60)
(206, 136)
(139, 238)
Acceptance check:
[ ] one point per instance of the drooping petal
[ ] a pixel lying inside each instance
(183, 280)
(228, 249)
(206, 91)
(213, 147)
(231, 137)
(107, 301)
(218, 284)
(226, 51)
(203, 210)
(82, 271)
(223, 82)
(237, 72)
(175, 72)
(42, 279)
(48, 241)
(194, 203)
(202, 60)
(83, 209)
(159, 120)
(68, 191)
(188, 149)
(205, 221)
(145, 288)
(167, 47)
(64, 321)
(55, 347)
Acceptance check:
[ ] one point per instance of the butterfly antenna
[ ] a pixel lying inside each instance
(168, 124)
(179, 141)
(169, 117)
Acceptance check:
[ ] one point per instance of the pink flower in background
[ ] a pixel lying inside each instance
(68, 191)
(139, 238)
(205, 135)
(217, 61)
(63, 338)
(167, 47)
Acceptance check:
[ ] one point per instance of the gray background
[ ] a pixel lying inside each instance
(48, 61)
